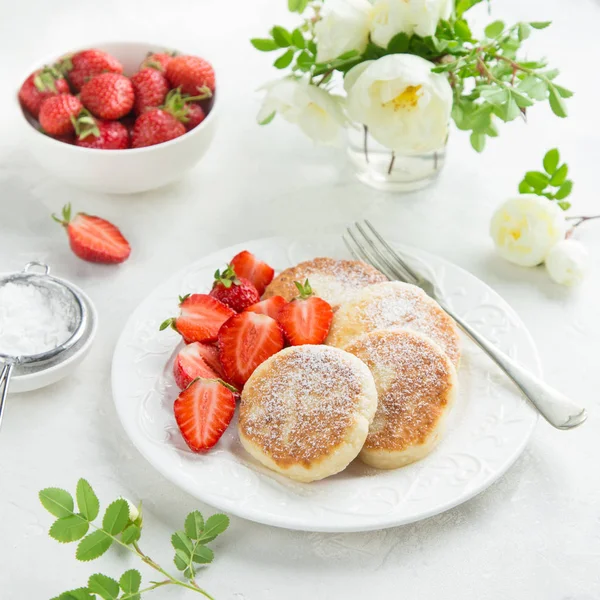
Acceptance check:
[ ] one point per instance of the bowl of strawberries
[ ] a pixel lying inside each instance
(119, 117)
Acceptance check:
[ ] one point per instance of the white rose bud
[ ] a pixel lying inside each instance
(134, 513)
(344, 26)
(405, 106)
(567, 262)
(526, 227)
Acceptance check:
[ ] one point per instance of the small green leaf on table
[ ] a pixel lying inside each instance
(57, 502)
(93, 545)
(69, 529)
(87, 501)
(116, 517)
(104, 586)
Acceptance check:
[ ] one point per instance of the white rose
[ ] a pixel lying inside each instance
(405, 106)
(526, 227)
(317, 112)
(344, 26)
(134, 513)
(567, 262)
(419, 17)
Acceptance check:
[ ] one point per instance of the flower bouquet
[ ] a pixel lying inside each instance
(393, 73)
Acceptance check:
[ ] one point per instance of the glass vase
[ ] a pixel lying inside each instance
(383, 169)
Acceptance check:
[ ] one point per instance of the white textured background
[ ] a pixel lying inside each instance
(534, 535)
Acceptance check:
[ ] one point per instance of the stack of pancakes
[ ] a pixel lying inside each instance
(380, 389)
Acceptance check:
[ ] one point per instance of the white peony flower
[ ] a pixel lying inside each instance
(526, 227)
(567, 262)
(418, 17)
(344, 26)
(317, 112)
(405, 106)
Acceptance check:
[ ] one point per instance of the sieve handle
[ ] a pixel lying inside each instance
(4, 381)
(35, 263)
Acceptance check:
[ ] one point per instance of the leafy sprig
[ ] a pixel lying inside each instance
(122, 525)
(552, 183)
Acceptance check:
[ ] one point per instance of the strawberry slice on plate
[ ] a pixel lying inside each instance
(246, 265)
(245, 341)
(210, 355)
(306, 319)
(200, 318)
(271, 306)
(190, 364)
(203, 412)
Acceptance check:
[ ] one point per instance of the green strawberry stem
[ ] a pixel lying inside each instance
(85, 124)
(305, 291)
(66, 215)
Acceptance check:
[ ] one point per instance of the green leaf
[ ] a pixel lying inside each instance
(560, 175)
(203, 555)
(478, 141)
(398, 44)
(93, 545)
(180, 541)
(494, 95)
(540, 24)
(106, 587)
(557, 104)
(462, 6)
(282, 37)
(77, 594)
(564, 205)
(536, 179)
(521, 100)
(462, 30)
(215, 525)
(130, 581)
(551, 160)
(194, 524)
(181, 560)
(535, 88)
(268, 119)
(304, 60)
(264, 44)
(510, 110)
(525, 188)
(298, 39)
(524, 31)
(564, 190)
(131, 534)
(69, 529)
(551, 73)
(563, 92)
(116, 517)
(284, 60)
(87, 501)
(494, 29)
(293, 5)
(57, 502)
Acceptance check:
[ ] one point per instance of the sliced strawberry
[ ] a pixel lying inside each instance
(246, 265)
(271, 306)
(200, 318)
(306, 319)
(190, 364)
(203, 412)
(210, 355)
(246, 341)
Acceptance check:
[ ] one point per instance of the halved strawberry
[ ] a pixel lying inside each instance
(306, 319)
(246, 265)
(200, 318)
(190, 364)
(210, 355)
(203, 412)
(245, 341)
(271, 306)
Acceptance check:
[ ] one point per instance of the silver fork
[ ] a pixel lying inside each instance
(365, 243)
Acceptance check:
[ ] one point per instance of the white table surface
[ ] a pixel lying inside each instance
(535, 534)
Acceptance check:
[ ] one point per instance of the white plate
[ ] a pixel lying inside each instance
(488, 429)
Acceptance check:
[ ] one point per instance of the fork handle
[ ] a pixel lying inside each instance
(555, 407)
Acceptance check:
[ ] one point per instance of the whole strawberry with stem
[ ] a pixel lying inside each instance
(191, 73)
(151, 88)
(108, 95)
(100, 134)
(233, 291)
(307, 318)
(57, 114)
(94, 239)
(82, 66)
(157, 60)
(40, 85)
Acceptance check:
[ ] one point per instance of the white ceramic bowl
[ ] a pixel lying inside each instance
(119, 171)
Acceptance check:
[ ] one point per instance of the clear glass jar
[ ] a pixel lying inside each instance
(389, 171)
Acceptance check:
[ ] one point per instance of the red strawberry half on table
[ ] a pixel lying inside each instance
(306, 319)
(200, 318)
(246, 265)
(203, 412)
(40, 85)
(271, 306)
(236, 292)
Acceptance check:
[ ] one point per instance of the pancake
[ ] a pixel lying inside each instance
(416, 386)
(336, 281)
(305, 412)
(394, 305)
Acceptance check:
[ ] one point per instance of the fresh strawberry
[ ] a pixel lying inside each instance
(237, 293)
(246, 341)
(57, 114)
(210, 355)
(94, 239)
(157, 60)
(84, 65)
(40, 85)
(108, 95)
(245, 264)
(195, 116)
(150, 87)
(100, 134)
(203, 412)
(306, 319)
(200, 318)
(271, 306)
(190, 364)
(155, 126)
(191, 74)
